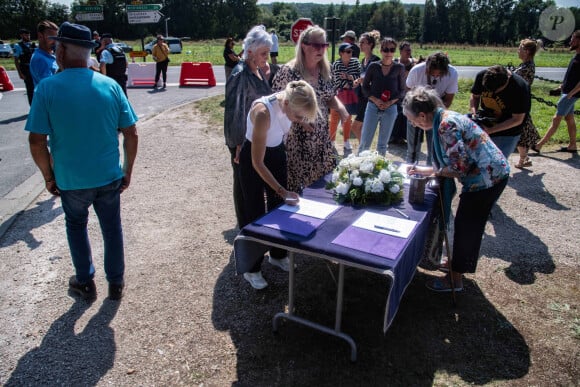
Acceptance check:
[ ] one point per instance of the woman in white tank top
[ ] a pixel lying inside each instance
(263, 159)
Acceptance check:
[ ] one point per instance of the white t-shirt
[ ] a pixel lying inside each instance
(444, 85)
(279, 122)
(274, 43)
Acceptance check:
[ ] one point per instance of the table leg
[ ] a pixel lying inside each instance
(338, 318)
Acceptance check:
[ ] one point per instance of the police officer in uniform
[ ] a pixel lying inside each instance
(113, 62)
(22, 53)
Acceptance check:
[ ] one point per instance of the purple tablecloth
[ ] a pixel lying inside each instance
(254, 240)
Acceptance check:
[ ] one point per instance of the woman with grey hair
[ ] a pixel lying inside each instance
(310, 152)
(464, 151)
(246, 84)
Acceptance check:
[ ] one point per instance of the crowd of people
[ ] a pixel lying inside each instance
(280, 124)
(274, 160)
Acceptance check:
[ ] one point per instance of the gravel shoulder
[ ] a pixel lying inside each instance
(187, 319)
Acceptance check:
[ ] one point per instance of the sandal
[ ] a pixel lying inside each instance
(444, 265)
(442, 285)
(524, 163)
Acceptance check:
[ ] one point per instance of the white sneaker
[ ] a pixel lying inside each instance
(283, 263)
(347, 145)
(256, 280)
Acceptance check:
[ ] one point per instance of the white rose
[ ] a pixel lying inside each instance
(342, 188)
(365, 153)
(377, 186)
(335, 177)
(357, 181)
(367, 166)
(395, 188)
(354, 174)
(384, 176)
(344, 163)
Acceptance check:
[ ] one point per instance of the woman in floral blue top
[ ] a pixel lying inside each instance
(463, 151)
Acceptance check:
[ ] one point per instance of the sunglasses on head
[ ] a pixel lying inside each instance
(387, 49)
(318, 46)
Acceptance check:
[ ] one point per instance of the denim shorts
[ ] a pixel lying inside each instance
(565, 105)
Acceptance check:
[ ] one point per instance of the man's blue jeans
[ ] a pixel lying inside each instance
(506, 144)
(373, 115)
(106, 201)
(414, 145)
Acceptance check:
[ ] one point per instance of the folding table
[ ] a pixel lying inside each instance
(398, 262)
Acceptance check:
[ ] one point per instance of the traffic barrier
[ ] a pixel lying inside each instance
(142, 75)
(196, 74)
(5, 84)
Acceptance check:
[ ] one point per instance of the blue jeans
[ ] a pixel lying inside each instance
(106, 201)
(372, 117)
(414, 145)
(506, 144)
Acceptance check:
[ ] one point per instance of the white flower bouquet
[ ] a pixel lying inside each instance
(366, 178)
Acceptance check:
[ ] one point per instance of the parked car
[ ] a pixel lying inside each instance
(174, 44)
(124, 46)
(5, 50)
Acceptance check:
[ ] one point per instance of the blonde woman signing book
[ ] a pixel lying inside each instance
(263, 163)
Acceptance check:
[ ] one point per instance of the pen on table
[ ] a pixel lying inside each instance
(402, 213)
(385, 228)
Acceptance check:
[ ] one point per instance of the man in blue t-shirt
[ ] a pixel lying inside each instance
(83, 112)
(43, 62)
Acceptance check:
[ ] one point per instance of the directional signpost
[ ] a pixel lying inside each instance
(144, 13)
(88, 12)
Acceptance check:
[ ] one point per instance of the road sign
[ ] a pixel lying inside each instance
(144, 17)
(88, 9)
(299, 26)
(138, 54)
(88, 12)
(143, 7)
(144, 13)
(89, 17)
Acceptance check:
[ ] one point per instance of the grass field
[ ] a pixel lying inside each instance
(211, 51)
(541, 112)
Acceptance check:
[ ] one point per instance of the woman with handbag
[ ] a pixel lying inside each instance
(384, 84)
(160, 55)
(345, 71)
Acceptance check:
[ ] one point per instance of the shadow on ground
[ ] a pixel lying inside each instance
(44, 212)
(474, 343)
(67, 357)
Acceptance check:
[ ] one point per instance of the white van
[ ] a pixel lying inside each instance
(174, 44)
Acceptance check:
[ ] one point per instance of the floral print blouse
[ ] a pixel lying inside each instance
(468, 150)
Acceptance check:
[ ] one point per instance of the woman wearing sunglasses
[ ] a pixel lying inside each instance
(367, 43)
(384, 84)
(310, 152)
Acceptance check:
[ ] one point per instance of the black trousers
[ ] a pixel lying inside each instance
(28, 82)
(161, 68)
(470, 220)
(241, 217)
(254, 188)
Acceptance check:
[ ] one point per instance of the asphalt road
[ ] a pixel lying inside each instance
(20, 180)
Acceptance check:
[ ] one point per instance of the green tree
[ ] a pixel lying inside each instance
(414, 28)
(429, 23)
(442, 31)
(460, 21)
(389, 18)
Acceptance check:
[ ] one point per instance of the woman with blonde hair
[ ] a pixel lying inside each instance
(263, 162)
(310, 152)
(527, 70)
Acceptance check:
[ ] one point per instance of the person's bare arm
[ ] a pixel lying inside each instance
(130, 144)
(40, 154)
